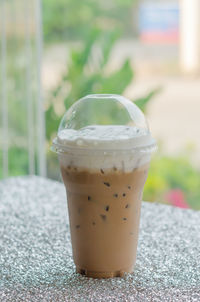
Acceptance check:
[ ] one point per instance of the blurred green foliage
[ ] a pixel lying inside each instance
(18, 161)
(168, 173)
(86, 74)
(17, 108)
(71, 19)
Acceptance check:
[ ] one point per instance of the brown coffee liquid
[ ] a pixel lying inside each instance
(104, 211)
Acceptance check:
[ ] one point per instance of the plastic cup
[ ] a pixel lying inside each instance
(104, 147)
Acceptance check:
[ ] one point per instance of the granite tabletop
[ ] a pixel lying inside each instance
(36, 259)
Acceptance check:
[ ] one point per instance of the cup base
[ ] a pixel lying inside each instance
(103, 275)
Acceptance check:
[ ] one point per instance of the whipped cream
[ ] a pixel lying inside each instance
(111, 137)
(104, 147)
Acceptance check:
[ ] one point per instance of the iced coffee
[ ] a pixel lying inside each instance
(104, 171)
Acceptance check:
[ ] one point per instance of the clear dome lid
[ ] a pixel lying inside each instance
(104, 121)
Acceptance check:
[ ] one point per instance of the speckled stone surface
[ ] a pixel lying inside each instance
(36, 260)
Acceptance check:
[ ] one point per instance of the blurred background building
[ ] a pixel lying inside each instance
(54, 52)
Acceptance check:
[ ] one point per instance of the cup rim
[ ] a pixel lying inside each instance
(61, 149)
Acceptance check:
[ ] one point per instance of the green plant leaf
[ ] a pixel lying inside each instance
(119, 80)
(52, 121)
(143, 102)
(109, 40)
(85, 53)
